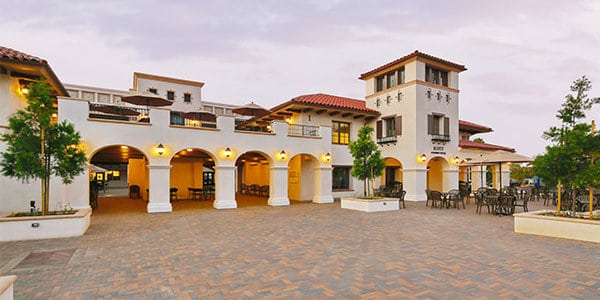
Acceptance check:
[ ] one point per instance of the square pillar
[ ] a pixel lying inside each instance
(278, 186)
(159, 200)
(450, 179)
(323, 185)
(224, 187)
(478, 177)
(415, 183)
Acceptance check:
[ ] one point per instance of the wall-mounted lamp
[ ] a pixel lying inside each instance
(227, 152)
(422, 157)
(282, 155)
(456, 160)
(160, 149)
(288, 119)
(327, 157)
(24, 86)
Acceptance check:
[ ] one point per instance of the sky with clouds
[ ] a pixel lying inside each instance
(521, 56)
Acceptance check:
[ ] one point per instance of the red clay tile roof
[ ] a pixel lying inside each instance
(40, 67)
(330, 101)
(409, 56)
(11, 54)
(484, 146)
(472, 127)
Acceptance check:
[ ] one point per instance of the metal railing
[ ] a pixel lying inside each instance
(118, 113)
(303, 130)
(440, 137)
(178, 119)
(387, 139)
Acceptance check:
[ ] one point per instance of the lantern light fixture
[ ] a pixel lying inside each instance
(160, 149)
(228, 152)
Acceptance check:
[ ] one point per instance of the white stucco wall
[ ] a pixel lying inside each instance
(143, 84)
(97, 134)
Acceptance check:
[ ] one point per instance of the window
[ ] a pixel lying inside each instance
(340, 178)
(438, 126)
(379, 83)
(340, 133)
(187, 97)
(391, 80)
(388, 128)
(153, 91)
(170, 95)
(436, 76)
(401, 76)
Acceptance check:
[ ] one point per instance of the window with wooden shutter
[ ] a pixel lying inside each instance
(379, 129)
(446, 126)
(430, 124)
(398, 125)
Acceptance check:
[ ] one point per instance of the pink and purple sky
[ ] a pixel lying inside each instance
(521, 56)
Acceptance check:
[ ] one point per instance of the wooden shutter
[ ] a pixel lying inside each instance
(379, 129)
(398, 125)
(446, 126)
(430, 124)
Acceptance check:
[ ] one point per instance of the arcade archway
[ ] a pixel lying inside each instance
(118, 177)
(252, 179)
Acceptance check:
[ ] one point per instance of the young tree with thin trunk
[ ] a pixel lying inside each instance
(38, 147)
(570, 160)
(368, 163)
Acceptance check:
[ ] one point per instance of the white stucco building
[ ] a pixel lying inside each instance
(295, 152)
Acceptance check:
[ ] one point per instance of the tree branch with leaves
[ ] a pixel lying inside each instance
(38, 147)
(368, 163)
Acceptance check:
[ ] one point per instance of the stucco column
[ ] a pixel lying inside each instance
(415, 183)
(323, 185)
(478, 176)
(224, 187)
(450, 179)
(278, 186)
(159, 189)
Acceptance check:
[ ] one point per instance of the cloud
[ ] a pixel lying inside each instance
(521, 55)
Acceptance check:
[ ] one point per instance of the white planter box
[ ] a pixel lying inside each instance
(371, 205)
(561, 227)
(44, 227)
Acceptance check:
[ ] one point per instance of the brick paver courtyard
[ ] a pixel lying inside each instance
(301, 251)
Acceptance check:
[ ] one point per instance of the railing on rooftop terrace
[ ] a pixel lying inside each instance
(118, 113)
(178, 118)
(303, 130)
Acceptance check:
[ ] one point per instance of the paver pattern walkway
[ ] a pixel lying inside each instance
(303, 251)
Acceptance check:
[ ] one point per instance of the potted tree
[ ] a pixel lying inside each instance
(368, 164)
(37, 148)
(571, 164)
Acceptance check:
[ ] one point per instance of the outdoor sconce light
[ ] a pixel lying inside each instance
(456, 160)
(160, 149)
(282, 155)
(288, 120)
(227, 152)
(423, 157)
(328, 157)
(23, 85)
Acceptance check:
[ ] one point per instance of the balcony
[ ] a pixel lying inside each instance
(118, 113)
(440, 138)
(387, 139)
(193, 119)
(303, 130)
